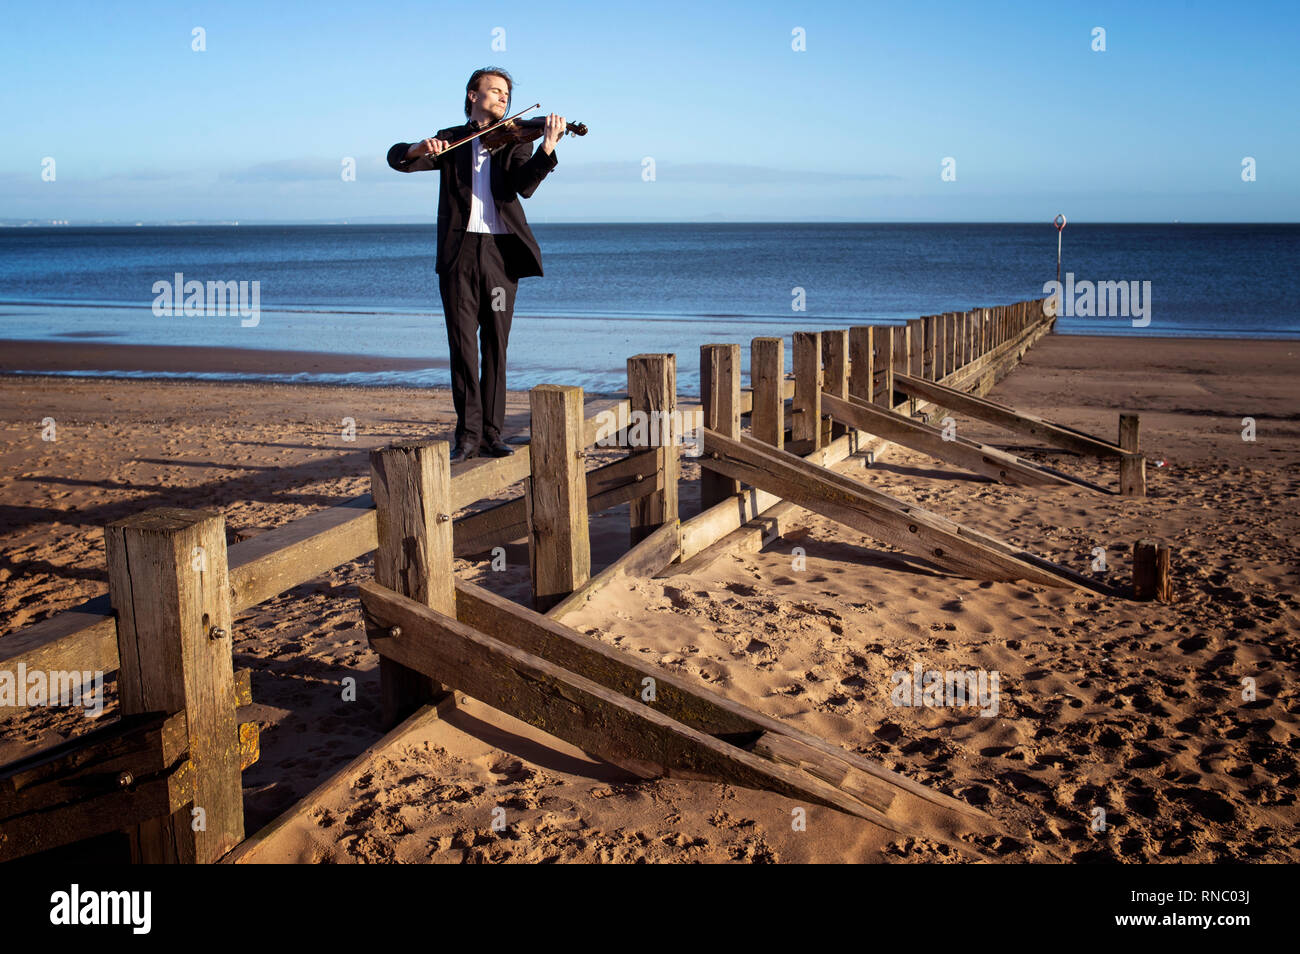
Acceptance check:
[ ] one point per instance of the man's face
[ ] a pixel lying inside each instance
(493, 98)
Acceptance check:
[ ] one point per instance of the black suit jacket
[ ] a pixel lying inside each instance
(515, 172)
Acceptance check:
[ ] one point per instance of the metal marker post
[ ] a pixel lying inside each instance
(1059, 222)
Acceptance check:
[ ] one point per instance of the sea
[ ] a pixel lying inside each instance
(615, 290)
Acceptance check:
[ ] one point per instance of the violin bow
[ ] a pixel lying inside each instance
(486, 129)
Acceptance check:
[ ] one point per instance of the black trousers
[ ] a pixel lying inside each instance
(478, 300)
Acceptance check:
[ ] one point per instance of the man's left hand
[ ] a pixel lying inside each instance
(555, 127)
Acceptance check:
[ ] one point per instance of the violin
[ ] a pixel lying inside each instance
(511, 131)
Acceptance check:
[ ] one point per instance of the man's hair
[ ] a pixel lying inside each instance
(472, 85)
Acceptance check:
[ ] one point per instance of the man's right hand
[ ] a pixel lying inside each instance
(426, 146)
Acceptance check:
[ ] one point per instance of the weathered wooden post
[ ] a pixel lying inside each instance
(767, 383)
(915, 345)
(652, 390)
(170, 588)
(835, 375)
(930, 331)
(411, 485)
(1151, 571)
(950, 359)
(720, 397)
(1132, 466)
(559, 547)
(882, 365)
(899, 363)
(861, 354)
(806, 408)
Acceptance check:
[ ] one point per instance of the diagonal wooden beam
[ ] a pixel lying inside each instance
(75, 790)
(1020, 554)
(621, 729)
(625, 729)
(969, 455)
(694, 706)
(644, 559)
(879, 515)
(1058, 435)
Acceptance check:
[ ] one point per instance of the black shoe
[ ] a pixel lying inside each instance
(463, 452)
(496, 448)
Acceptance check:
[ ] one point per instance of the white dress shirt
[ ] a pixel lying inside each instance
(482, 207)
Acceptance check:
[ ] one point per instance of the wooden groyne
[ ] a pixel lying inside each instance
(176, 591)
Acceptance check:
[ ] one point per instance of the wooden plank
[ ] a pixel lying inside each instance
(652, 389)
(92, 764)
(166, 795)
(878, 515)
(559, 548)
(970, 455)
(645, 559)
(84, 637)
(692, 705)
(817, 469)
(486, 476)
(619, 728)
(720, 397)
(749, 537)
(720, 519)
(705, 529)
(411, 484)
(767, 376)
(170, 586)
(806, 409)
(607, 486)
(829, 768)
(1007, 417)
(266, 565)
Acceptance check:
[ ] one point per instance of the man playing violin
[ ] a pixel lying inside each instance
(484, 247)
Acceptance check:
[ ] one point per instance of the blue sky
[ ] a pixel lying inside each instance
(741, 126)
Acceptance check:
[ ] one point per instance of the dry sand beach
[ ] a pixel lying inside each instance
(1105, 703)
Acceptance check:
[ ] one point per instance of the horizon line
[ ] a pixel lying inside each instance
(255, 223)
